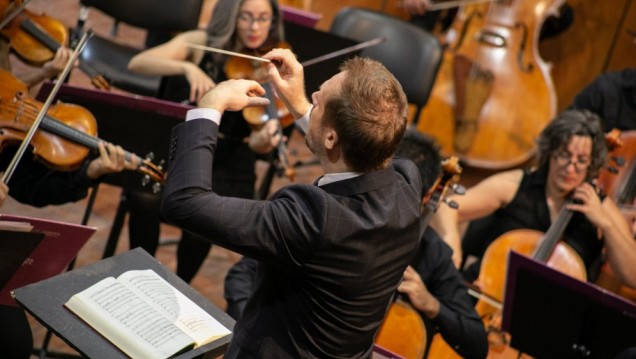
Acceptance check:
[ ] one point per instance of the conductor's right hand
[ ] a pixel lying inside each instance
(234, 95)
(288, 78)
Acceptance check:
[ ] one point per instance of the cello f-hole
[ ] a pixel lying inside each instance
(522, 48)
(462, 35)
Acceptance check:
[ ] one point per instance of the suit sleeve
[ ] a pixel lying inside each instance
(457, 321)
(284, 228)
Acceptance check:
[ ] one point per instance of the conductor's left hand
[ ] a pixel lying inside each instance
(234, 95)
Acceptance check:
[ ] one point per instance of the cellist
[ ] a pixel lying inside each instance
(571, 152)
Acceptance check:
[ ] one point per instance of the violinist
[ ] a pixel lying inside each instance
(36, 75)
(572, 150)
(251, 26)
(35, 184)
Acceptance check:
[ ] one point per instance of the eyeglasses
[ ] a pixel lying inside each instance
(249, 20)
(563, 159)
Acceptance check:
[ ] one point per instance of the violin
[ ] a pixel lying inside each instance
(65, 136)
(36, 38)
(403, 332)
(244, 68)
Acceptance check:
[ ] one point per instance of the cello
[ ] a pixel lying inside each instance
(403, 331)
(620, 184)
(493, 94)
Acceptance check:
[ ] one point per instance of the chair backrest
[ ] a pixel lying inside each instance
(110, 58)
(412, 54)
(165, 15)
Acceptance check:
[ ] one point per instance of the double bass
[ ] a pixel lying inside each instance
(493, 93)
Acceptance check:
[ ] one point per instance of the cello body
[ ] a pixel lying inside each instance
(403, 331)
(493, 94)
(492, 278)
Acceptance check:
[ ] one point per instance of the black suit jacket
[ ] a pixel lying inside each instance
(332, 256)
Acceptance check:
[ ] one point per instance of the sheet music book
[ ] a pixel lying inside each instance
(59, 244)
(46, 301)
(145, 316)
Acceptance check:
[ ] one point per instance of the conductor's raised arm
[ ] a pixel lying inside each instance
(287, 75)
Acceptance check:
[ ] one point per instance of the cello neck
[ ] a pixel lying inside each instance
(552, 236)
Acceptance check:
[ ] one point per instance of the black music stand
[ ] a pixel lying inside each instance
(45, 301)
(139, 124)
(552, 315)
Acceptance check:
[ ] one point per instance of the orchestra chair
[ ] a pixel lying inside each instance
(412, 54)
(110, 58)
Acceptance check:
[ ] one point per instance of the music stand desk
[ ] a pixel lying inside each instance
(552, 315)
(45, 301)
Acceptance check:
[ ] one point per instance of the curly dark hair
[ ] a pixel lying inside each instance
(558, 133)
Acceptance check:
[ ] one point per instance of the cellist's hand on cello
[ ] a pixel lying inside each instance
(413, 286)
(589, 203)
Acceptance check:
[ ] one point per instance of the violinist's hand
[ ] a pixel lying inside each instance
(289, 81)
(265, 139)
(111, 159)
(200, 82)
(234, 95)
(420, 297)
(59, 61)
(4, 192)
(416, 7)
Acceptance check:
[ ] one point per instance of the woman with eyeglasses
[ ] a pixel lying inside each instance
(253, 26)
(571, 152)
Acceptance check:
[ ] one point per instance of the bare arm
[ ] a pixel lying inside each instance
(176, 58)
(479, 201)
(619, 244)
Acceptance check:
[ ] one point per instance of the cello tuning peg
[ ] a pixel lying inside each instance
(156, 187)
(459, 189)
(620, 161)
(451, 204)
(150, 156)
(145, 180)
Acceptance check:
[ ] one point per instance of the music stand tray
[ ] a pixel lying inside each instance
(45, 301)
(552, 315)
